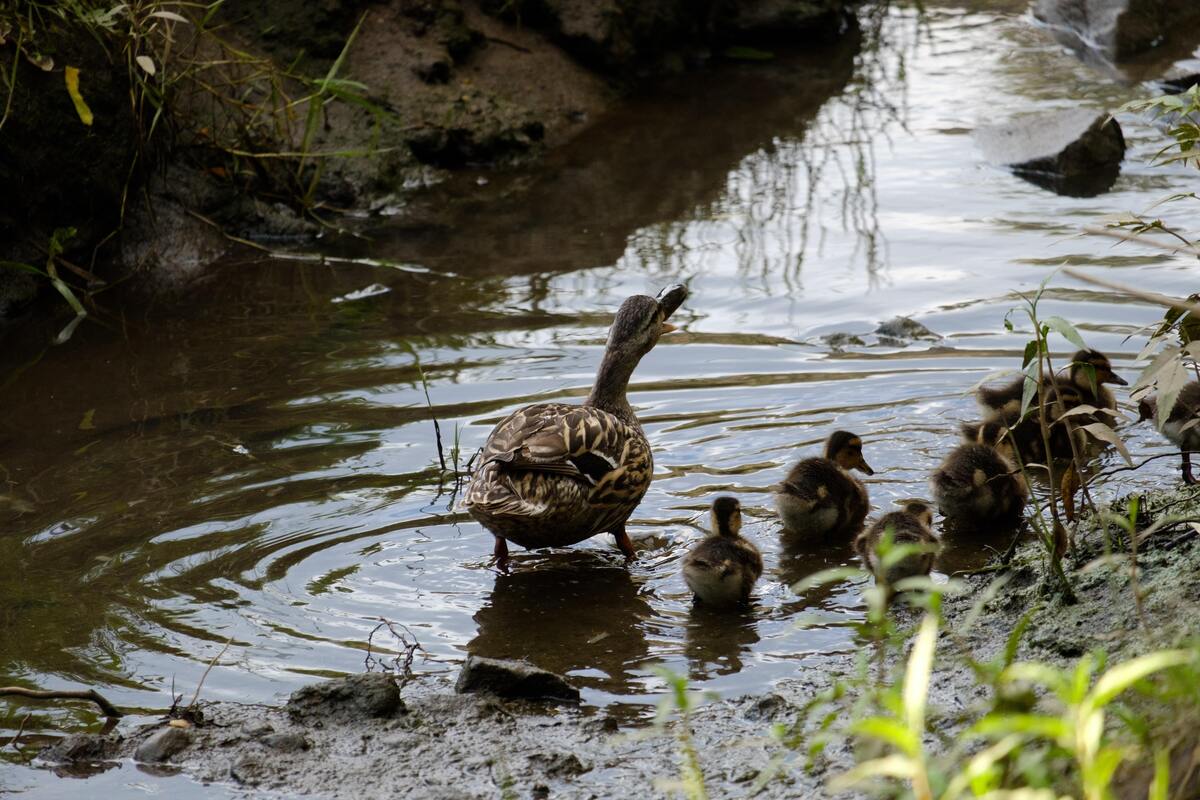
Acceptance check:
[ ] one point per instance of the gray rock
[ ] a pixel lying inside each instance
(776, 19)
(1118, 29)
(558, 764)
(513, 679)
(287, 742)
(1075, 152)
(902, 329)
(162, 745)
(372, 695)
(81, 747)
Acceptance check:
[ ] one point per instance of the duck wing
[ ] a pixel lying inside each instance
(579, 441)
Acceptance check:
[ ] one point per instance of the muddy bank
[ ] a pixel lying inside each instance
(427, 86)
(362, 736)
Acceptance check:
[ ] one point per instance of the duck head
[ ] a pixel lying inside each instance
(845, 449)
(635, 330)
(1090, 368)
(727, 517)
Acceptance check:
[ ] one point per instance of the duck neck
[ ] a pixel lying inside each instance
(612, 382)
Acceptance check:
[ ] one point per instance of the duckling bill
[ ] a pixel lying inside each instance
(721, 570)
(911, 526)
(819, 496)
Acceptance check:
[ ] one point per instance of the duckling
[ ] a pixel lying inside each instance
(820, 497)
(912, 525)
(721, 569)
(1084, 383)
(978, 484)
(1185, 411)
(553, 474)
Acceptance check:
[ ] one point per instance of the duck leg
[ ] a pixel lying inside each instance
(624, 544)
(1187, 468)
(500, 552)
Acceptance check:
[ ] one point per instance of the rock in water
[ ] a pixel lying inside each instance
(372, 695)
(513, 679)
(162, 745)
(1074, 152)
(1118, 29)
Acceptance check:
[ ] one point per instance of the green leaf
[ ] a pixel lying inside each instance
(1030, 387)
(17, 265)
(1122, 676)
(1107, 434)
(916, 676)
(889, 730)
(826, 576)
(1037, 725)
(893, 766)
(1066, 330)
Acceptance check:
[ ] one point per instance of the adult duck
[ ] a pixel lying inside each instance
(553, 474)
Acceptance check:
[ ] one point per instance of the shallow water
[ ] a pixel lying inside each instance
(256, 463)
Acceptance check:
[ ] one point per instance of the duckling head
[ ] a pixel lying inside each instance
(1090, 368)
(921, 510)
(727, 517)
(1147, 407)
(845, 449)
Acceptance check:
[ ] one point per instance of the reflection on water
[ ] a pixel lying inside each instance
(577, 614)
(256, 461)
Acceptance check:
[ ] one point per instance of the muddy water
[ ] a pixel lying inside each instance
(254, 463)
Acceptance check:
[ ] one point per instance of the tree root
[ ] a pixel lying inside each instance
(108, 708)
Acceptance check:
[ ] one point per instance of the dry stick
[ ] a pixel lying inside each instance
(1128, 236)
(64, 694)
(207, 670)
(1153, 297)
(20, 730)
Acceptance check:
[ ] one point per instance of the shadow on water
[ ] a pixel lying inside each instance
(577, 614)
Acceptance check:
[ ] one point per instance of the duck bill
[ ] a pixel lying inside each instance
(864, 466)
(1115, 379)
(671, 298)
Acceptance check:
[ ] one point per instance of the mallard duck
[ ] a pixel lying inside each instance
(978, 483)
(911, 526)
(1084, 383)
(819, 496)
(553, 474)
(1185, 411)
(722, 568)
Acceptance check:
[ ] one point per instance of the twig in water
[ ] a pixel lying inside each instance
(196, 696)
(20, 730)
(63, 694)
(409, 645)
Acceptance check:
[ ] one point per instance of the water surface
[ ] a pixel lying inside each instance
(256, 463)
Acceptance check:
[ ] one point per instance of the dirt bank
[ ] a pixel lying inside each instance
(437, 744)
(421, 87)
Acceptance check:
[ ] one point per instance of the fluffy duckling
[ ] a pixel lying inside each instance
(978, 484)
(1084, 383)
(819, 496)
(912, 525)
(721, 569)
(1185, 411)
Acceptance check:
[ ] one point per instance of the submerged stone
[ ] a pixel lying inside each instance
(1074, 152)
(513, 679)
(1118, 29)
(162, 745)
(372, 695)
